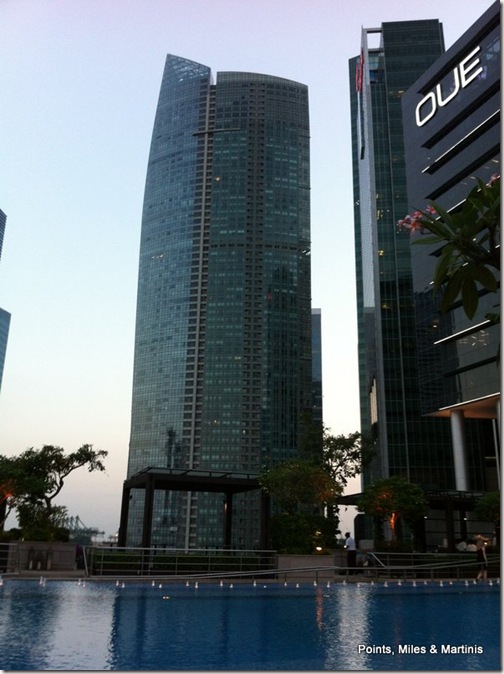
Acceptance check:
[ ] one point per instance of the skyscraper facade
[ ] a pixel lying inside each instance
(317, 405)
(409, 445)
(452, 129)
(222, 368)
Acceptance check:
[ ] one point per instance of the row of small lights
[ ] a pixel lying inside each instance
(81, 582)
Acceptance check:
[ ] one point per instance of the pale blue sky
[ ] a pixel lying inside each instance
(80, 81)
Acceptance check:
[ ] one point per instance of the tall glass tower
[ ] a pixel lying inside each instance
(222, 369)
(409, 445)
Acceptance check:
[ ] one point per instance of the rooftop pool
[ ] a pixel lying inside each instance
(91, 625)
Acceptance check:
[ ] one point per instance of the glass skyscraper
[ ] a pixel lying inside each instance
(222, 368)
(409, 445)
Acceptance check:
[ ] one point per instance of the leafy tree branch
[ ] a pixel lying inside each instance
(469, 241)
(30, 482)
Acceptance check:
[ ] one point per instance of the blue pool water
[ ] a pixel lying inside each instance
(69, 625)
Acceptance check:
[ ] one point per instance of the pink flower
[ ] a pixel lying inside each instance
(410, 223)
(413, 223)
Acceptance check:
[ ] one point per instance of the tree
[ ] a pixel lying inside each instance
(302, 488)
(488, 509)
(470, 245)
(15, 483)
(317, 477)
(32, 480)
(308, 486)
(394, 499)
(299, 485)
(346, 455)
(301, 533)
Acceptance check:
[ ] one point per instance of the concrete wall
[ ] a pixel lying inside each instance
(41, 556)
(309, 566)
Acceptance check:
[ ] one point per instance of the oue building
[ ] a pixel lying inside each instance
(451, 118)
(429, 393)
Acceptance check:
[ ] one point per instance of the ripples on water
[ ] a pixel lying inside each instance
(65, 625)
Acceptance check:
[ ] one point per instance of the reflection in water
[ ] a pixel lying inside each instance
(214, 629)
(99, 626)
(319, 613)
(33, 622)
(128, 636)
(162, 629)
(347, 616)
(85, 615)
(54, 626)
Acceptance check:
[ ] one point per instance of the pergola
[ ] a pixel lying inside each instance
(174, 479)
(448, 501)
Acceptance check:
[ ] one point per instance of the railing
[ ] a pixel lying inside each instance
(114, 561)
(9, 557)
(109, 561)
(427, 565)
(215, 564)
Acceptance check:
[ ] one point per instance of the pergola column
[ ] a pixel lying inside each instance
(148, 508)
(123, 522)
(265, 518)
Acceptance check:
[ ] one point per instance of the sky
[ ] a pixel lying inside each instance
(80, 81)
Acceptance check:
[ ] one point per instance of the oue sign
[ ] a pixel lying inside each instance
(463, 74)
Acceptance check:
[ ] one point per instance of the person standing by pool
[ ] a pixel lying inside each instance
(482, 558)
(351, 553)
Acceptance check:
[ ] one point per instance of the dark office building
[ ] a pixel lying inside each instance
(452, 136)
(317, 406)
(408, 444)
(222, 370)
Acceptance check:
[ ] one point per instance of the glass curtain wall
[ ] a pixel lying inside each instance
(409, 445)
(223, 344)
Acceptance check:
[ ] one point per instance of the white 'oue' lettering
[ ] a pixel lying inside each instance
(463, 74)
